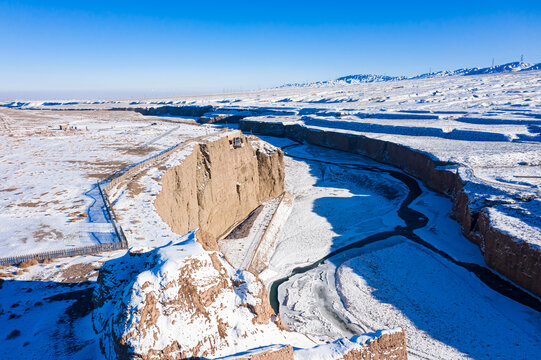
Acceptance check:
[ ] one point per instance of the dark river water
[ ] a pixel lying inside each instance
(413, 220)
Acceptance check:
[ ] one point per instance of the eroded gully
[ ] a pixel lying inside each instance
(414, 220)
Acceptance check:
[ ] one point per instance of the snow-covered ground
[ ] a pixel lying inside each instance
(49, 199)
(487, 127)
(448, 313)
(326, 198)
(45, 309)
(514, 95)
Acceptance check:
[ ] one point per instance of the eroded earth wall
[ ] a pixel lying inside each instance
(218, 185)
(383, 345)
(511, 257)
(184, 300)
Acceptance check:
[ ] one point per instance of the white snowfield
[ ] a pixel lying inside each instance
(487, 127)
(48, 197)
(447, 312)
(155, 274)
(489, 124)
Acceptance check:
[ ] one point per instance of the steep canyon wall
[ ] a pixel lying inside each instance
(511, 257)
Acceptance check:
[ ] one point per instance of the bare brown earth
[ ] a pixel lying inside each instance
(218, 185)
(283, 353)
(77, 273)
(243, 230)
(510, 257)
(28, 263)
(387, 346)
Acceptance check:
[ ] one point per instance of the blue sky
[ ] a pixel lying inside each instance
(129, 48)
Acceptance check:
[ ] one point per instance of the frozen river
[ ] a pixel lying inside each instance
(368, 247)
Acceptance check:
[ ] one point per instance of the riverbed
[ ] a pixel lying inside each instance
(368, 247)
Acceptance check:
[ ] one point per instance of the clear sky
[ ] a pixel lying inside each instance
(94, 48)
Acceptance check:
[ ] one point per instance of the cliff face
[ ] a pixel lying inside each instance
(507, 255)
(218, 185)
(510, 256)
(386, 346)
(183, 299)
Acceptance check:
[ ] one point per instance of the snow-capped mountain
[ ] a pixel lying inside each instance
(369, 78)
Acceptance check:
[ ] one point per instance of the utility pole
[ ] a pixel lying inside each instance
(521, 59)
(492, 62)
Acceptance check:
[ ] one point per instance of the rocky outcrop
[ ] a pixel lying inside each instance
(509, 256)
(188, 110)
(261, 127)
(180, 301)
(275, 352)
(389, 345)
(221, 119)
(218, 185)
(381, 345)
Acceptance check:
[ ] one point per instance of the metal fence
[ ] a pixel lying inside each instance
(111, 181)
(85, 250)
(122, 242)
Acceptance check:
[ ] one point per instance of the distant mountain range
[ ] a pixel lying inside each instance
(369, 78)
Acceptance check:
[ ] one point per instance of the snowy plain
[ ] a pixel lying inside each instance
(49, 175)
(490, 125)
